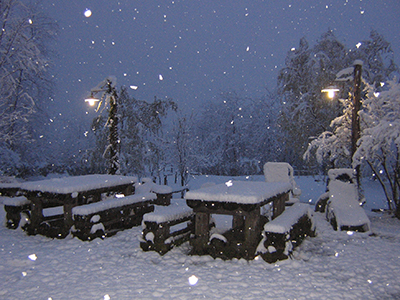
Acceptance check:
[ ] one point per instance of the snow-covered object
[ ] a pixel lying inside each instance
(73, 184)
(14, 201)
(92, 208)
(333, 174)
(148, 186)
(290, 216)
(97, 227)
(282, 172)
(218, 237)
(343, 203)
(243, 192)
(176, 210)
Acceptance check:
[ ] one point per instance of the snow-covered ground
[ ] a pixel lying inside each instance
(333, 265)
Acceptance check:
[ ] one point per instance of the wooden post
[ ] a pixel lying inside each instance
(279, 204)
(251, 232)
(355, 118)
(69, 203)
(202, 232)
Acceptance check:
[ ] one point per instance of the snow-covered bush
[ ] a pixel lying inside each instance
(379, 144)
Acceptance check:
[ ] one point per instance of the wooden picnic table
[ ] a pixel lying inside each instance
(243, 200)
(67, 193)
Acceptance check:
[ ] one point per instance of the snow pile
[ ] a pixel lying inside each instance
(92, 208)
(176, 210)
(284, 222)
(244, 192)
(73, 184)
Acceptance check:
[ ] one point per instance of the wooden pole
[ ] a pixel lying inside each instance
(355, 120)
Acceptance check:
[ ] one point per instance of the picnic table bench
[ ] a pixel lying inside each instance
(105, 218)
(243, 200)
(283, 234)
(65, 194)
(167, 227)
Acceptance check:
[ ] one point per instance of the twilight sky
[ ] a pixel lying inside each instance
(191, 50)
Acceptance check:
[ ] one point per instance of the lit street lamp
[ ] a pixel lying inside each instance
(109, 94)
(345, 75)
(330, 90)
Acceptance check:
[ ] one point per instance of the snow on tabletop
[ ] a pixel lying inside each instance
(92, 208)
(14, 201)
(244, 192)
(73, 184)
(176, 210)
(284, 222)
(343, 199)
(148, 185)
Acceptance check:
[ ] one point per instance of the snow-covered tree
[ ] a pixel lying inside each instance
(305, 112)
(332, 148)
(140, 128)
(378, 59)
(25, 37)
(182, 147)
(379, 144)
(236, 135)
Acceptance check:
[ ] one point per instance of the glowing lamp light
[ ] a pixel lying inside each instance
(331, 90)
(92, 101)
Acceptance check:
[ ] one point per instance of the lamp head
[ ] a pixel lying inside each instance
(331, 90)
(92, 100)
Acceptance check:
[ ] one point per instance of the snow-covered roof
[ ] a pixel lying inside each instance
(245, 192)
(92, 208)
(177, 210)
(73, 184)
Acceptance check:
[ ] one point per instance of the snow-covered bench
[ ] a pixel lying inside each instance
(14, 207)
(341, 202)
(106, 217)
(343, 210)
(287, 231)
(167, 227)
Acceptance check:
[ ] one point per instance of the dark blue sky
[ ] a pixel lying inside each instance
(200, 48)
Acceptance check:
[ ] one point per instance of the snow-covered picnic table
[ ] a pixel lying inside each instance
(67, 193)
(241, 199)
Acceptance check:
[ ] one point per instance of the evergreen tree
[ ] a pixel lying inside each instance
(140, 133)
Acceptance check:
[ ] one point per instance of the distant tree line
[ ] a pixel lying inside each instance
(232, 135)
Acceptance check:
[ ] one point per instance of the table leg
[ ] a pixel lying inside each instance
(252, 232)
(202, 233)
(36, 216)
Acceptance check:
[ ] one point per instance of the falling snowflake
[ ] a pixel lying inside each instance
(87, 13)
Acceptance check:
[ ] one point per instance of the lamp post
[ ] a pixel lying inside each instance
(355, 118)
(345, 75)
(110, 95)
